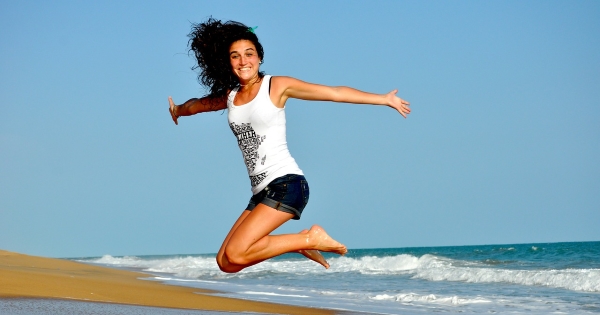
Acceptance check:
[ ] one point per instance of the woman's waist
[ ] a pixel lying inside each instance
(261, 180)
(271, 163)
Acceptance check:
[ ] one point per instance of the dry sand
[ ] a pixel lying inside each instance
(36, 277)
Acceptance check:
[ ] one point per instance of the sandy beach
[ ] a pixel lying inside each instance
(24, 276)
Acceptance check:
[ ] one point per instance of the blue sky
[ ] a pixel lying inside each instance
(502, 146)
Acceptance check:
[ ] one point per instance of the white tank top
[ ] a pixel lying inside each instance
(259, 127)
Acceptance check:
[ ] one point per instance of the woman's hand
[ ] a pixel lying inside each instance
(397, 103)
(172, 109)
(194, 106)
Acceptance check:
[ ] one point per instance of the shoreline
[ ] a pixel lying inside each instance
(32, 277)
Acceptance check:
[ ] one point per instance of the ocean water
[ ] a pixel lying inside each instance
(554, 278)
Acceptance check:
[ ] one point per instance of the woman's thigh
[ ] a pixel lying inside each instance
(260, 222)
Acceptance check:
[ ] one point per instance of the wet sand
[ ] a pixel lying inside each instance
(25, 306)
(34, 282)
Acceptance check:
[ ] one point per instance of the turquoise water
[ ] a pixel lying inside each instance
(555, 278)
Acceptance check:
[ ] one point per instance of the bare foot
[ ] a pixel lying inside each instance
(314, 254)
(324, 242)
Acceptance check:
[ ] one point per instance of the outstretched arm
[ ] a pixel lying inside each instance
(287, 87)
(194, 106)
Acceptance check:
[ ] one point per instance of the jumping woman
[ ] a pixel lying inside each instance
(229, 56)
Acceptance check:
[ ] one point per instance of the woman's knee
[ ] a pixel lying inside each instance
(226, 266)
(235, 255)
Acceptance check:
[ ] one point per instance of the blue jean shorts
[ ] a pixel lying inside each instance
(288, 193)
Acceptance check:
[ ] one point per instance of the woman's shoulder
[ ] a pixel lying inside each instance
(279, 77)
(283, 81)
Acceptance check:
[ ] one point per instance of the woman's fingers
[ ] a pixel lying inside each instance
(172, 110)
(402, 106)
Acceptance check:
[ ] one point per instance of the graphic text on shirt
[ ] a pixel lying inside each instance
(249, 141)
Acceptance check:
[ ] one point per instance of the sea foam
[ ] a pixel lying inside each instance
(439, 269)
(429, 298)
(434, 268)
(427, 267)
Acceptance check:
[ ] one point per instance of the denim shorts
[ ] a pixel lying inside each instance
(288, 193)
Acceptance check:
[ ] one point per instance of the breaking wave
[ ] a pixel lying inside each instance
(427, 267)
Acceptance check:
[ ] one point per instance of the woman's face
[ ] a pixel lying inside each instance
(244, 60)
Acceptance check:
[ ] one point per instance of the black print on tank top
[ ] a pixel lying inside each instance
(256, 179)
(249, 142)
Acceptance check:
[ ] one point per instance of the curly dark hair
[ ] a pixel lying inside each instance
(210, 41)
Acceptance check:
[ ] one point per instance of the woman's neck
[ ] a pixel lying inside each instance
(250, 83)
